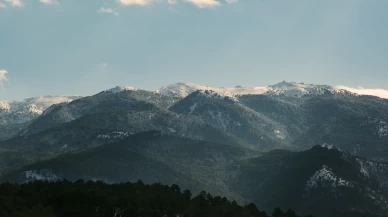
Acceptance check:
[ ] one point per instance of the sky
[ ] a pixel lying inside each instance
(81, 47)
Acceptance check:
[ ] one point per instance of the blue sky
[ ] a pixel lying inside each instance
(80, 47)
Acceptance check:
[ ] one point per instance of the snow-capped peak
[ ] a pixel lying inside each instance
(119, 89)
(36, 104)
(184, 89)
(181, 89)
(30, 108)
(299, 89)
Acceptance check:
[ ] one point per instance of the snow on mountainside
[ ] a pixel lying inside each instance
(33, 105)
(16, 115)
(325, 177)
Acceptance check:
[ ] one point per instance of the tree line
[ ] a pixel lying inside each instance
(98, 199)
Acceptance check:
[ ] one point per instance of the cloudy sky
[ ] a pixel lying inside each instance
(80, 47)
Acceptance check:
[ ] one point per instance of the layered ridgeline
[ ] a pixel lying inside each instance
(323, 180)
(15, 116)
(286, 115)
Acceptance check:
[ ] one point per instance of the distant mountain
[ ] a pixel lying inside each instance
(15, 116)
(347, 185)
(112, 100)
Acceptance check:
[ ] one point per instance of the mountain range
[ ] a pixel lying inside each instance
(290, 144)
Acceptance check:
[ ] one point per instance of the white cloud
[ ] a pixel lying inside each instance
(48, 2)
(104, 10)
(2, 5)
(198, 3)
(382, 93)
(3, 78)
(15, 3)
(204, 3)
(135, 2)
(231, 1)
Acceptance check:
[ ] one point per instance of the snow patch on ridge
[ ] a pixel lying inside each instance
(114, 135)
(279, 134)
(331, 147)
(193, 107)
(380, 126)
(119, 89)
(363, 168)
(327, 146)
(46, 175)
(34, 109)
(326, 178)
(4, 106)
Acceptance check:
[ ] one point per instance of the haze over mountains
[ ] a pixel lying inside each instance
(291, 142)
